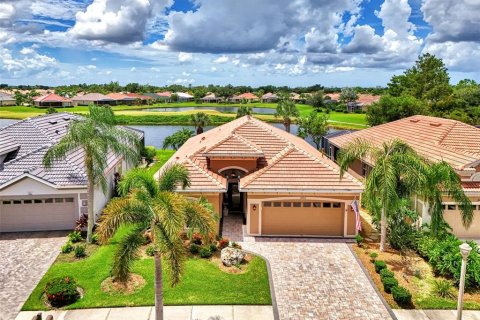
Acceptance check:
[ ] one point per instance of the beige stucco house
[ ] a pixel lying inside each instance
(435, 139)
(33, 198)
(279, 183)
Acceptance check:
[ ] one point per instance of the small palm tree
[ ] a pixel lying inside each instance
(153, 205)
(244, 111)
(96, 136)
(286, 109)
(398, 172)
(200, 120)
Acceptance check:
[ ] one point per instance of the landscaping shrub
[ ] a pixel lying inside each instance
(223, 243)
(82, 222)
(442, 288)
(385, 273)
(379, 265)
(148, 153)
(67, 247)
(389, 283)
(358, 239)
(373, 256)
(95, 238)
(213, 247)
(80, 251)
(61, 291)
(205, 253)
(196, 238)
(75, 236)
(401, 296)
(150, 251)
(194, 248)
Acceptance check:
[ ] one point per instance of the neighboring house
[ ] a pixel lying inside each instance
(211, 97)
(52, 100)
(154, 97)
(33, 198)
(122, 99)
(325, 143)
(247, 96)
(93, 98)
(7, 100)
(269, 97)
(280, 184)
(165, 96)
(362, 103)
(140, 98)
(184, 97)
(435, 139)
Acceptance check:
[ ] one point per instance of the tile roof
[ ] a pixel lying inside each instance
(363, 99)
(167, 94)
(434, 138)
(246, 96)
(6, 97)
(288, 163)
(92, 97)
(269, 95)
(184, 95)
(51, 97)
(33, 137)
(120, 96)
(138, 96)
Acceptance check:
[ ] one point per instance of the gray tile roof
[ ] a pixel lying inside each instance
(33, 137)
(6, 97)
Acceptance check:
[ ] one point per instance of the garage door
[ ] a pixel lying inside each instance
(37, 214)
(302, 218)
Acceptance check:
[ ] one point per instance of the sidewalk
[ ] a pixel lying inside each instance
(435, 314)
(236, 312)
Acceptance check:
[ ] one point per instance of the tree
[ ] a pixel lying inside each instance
(396, 174)
(244, 111)
(348, 95)
(391, 108)
(317, 100)
(200, 120)
(174, 97)
(177, 139)
(286, 109)
(19, 98)
(97, 136)
(51, 110)
(314, 126)
(154, 207)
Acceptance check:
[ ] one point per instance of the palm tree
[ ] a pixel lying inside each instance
(200, 120)
(152, 205)
(398, 172)
(96, 136)
(443, 180)
(244, 111)
(287, 110)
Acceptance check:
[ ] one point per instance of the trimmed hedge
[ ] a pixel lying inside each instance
(402, 296)
(389, 283)
(385, 273)
(379, 265)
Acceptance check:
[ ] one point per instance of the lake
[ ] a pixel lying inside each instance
(224, 109)
(155, 134)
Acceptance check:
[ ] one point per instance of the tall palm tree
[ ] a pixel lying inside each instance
(397, 173)
(97, 136)
(153, 205)
(286, 109)
(200, 120)
(443, 180)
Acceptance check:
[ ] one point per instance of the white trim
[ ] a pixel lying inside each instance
(253, 191)
(28, 175)
(233, 167)
(201, 190)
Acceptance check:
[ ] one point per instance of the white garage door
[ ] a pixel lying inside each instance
(37, 214)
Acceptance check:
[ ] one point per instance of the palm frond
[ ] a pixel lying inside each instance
(172, 176)
(356, 150)
(138, 178)
(201, 215)
(172, 250)
(126, 254)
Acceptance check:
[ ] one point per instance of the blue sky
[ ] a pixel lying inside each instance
(242, 42)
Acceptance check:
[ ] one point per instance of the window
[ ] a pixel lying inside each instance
(58, 200)
(27, 201)
(451, 207)
(365, 169)
(327, 204)
(49, 200)
(17, 201)
(316, 205)
(37, 201)
(307, 204)
(68, 199)
(287, 204)
(267, 204)
(297, 204)
(444, 207)
(277, 204)
(337, 205)
(6, 202)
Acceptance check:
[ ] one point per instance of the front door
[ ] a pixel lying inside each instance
(234, 198)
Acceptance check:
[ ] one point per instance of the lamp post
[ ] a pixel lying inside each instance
(465, 251)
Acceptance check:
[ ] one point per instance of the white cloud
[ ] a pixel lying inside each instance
(185, 57)
(27, 50)
(91, 67)
(30, 64)
(221, 59)
(132, 69)
(213, 69)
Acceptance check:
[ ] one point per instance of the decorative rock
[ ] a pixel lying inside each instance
(231, 256)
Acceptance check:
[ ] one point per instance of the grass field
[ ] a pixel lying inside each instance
(203, 282)
(141, 114)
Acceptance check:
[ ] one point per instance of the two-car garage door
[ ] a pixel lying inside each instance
(302, 218)
(37, 214)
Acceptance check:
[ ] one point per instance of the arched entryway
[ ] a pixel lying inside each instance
(234, 200)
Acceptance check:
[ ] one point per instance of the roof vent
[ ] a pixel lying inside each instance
(57, 132)
(203, 138)
(177, 157)
(66, 118)
(414, 120)
(435, 124)
(52, 122)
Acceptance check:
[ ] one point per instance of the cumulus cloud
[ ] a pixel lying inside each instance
(31, 62)
(185, 57)
(118, 21)
(364, 41)
(221, 59)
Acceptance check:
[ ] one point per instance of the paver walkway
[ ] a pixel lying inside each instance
(232, 227)
(24, 259)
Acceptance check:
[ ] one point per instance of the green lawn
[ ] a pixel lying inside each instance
(162, 157)
(202, 283)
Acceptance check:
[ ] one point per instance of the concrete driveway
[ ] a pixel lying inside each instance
(318, 279)
(24, 259)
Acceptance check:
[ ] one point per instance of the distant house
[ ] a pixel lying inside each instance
(52, 100)
(140, 98)
(269, 97)
(121, 98)
(7, 100)
(211, 97)
(93, 98)
(165, 96)
(363, 101)
(297, 98)
(247, 96)
(155, 97)
(184, 97)
(33, 198)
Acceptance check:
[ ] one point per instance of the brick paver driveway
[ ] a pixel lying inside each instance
(24, 259)
(318, 279)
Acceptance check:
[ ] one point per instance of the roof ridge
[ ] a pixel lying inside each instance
(248, 142)
(205, 173)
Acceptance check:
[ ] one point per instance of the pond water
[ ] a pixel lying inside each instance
(224, 109)
(155, 134)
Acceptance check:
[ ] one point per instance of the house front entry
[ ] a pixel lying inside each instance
(233, 213)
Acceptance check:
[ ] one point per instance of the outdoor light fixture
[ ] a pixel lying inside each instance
(254, 207)
(464, 251)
